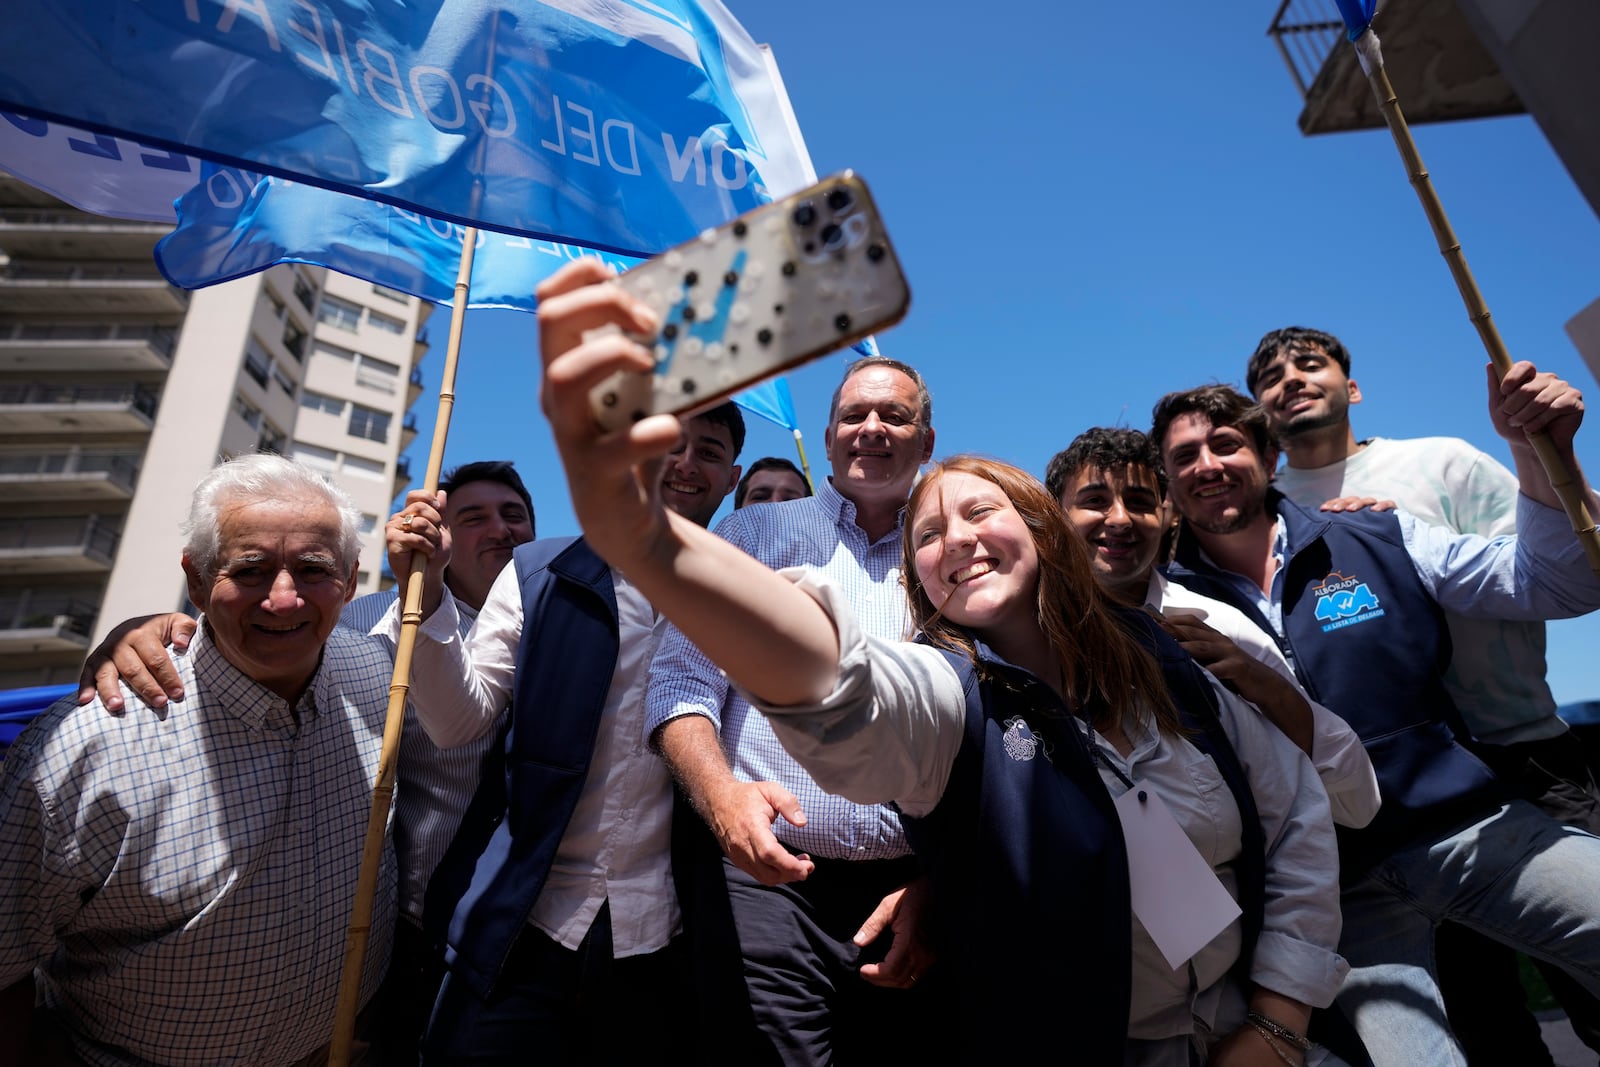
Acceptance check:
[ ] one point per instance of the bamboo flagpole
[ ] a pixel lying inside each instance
(1358, 18)
(805, 468)
(349, 1003)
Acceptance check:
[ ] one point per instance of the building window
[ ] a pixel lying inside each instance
(278, 306)
(272, 439)
(363, 468)
(335, 352)
(294, 339)
(392, 294)
(285, 382)
(368, 523)
(247, 411)
(257, 363)
(386, 323)
(340, 313)
(304, 293)
(332, 405)
(369, 423)
(377, 374)
(322, 460)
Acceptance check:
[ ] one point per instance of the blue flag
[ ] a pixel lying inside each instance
(232, 224)
(625, 125)
(772, 401)
(1357, 15)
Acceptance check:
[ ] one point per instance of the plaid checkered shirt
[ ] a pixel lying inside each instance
(180, 881)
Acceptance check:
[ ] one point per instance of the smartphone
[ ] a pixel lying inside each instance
(782, 284)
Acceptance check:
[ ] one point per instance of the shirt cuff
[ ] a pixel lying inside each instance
(1308, 973)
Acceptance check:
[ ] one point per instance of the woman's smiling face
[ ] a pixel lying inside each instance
(975, 556)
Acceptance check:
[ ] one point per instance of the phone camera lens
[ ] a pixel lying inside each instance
(805, 214)
(839, 199)
(831, 235)
(875, 252)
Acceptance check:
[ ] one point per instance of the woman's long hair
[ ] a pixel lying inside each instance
(1104, 669)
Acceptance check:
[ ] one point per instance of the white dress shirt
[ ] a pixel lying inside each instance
(617, 844)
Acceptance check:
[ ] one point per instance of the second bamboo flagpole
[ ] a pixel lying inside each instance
(344, 1020)
(1561, 479)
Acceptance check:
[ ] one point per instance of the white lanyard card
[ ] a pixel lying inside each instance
(1176, 894)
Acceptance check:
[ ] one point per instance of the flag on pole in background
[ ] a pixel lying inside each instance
(627, 126)
(1357, 15)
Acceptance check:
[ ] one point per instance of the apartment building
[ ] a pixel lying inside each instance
(118, 391)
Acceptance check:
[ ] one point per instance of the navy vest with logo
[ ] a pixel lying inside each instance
(1367, 640)
(498, 862)
(1030, 872)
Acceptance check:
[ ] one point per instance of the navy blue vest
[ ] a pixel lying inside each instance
(1029, 869)
(1368, 641)
(497, 864)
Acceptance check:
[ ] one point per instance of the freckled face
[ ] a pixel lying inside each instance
(975, 557)
(277, 591)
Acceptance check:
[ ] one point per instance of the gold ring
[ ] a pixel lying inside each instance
(406, 521)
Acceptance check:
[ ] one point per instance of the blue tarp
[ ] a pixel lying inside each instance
(19, 706)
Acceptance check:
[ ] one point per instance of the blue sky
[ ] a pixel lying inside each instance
(1094, 211)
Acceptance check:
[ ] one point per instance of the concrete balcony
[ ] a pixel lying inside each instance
(48, 288)
(43, 347)
(63, 233)
(78, 544)
(1439, 68)
(414, 386)
(48, 408)
(408, 432)
(35, 621)
(70, 474)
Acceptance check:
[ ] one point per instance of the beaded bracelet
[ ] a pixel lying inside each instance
(1278, 1030)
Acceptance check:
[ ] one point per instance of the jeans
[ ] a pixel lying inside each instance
(1516, 876)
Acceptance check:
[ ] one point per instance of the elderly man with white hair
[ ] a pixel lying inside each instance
(175, 882)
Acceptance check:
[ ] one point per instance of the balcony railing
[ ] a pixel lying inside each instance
(164, 339)
(1306, 33)
(48, 610)
(89, 532)
(138, 397)
(80, 272)
(123, 467)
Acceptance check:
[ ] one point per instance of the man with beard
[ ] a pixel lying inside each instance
(1113, 493)
(1301, 378)
(1354, 601)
